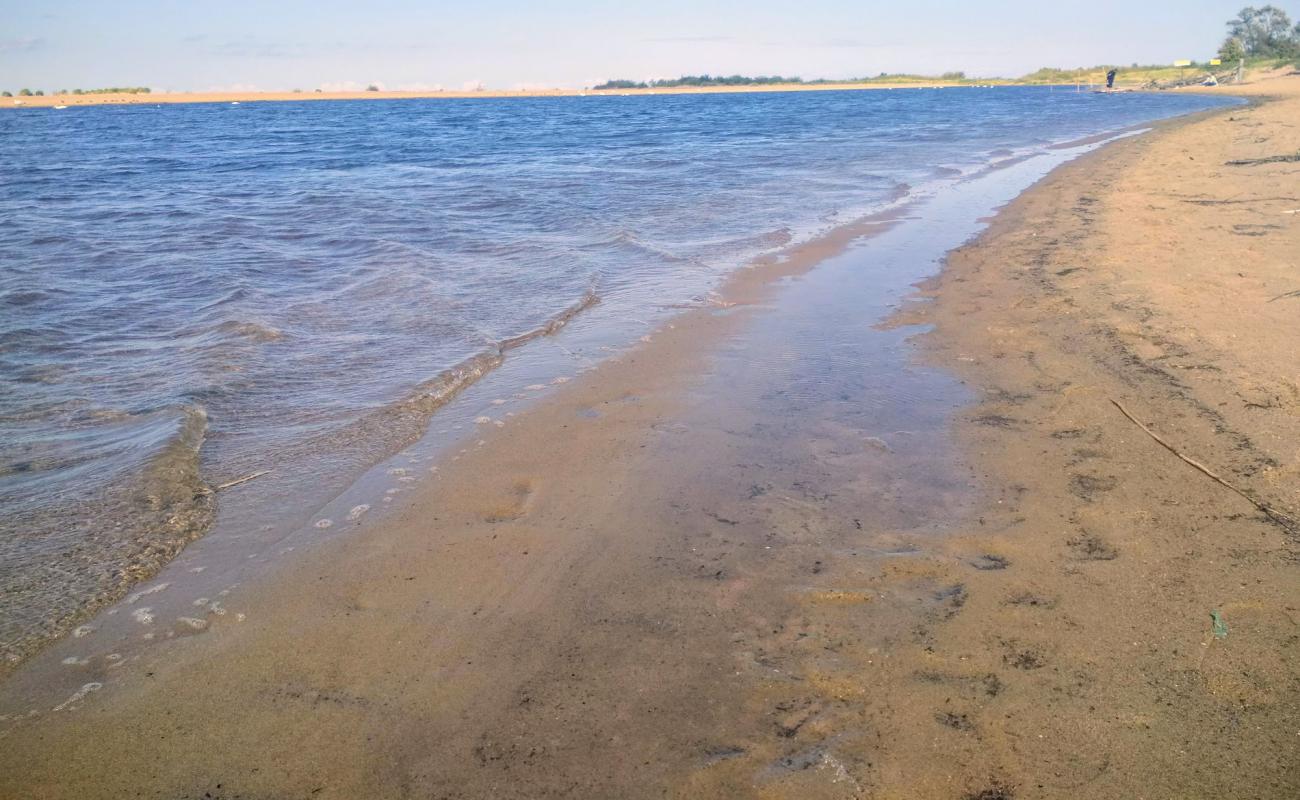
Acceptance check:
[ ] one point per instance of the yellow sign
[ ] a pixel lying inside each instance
(1185, 62)
(1214, 62)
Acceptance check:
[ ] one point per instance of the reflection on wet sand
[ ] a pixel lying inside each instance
(669, 574)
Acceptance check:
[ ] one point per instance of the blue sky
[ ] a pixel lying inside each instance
(238, 44)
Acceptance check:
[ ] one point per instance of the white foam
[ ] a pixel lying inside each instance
(357, 511)
(79, 695)
(324, 523)
(193, 622)
(482, 420)
(144, 592)
(82, 630)
(144, 616)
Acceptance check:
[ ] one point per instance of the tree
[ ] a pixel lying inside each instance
(372, 88)
(24, 92)
(6, 94)
(1231, 50)
(1264, 32)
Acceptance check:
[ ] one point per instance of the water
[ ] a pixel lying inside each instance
(193, 293)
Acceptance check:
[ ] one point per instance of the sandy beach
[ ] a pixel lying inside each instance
(117, 98)
(647, 585)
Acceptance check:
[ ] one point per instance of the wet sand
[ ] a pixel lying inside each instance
(695, 573)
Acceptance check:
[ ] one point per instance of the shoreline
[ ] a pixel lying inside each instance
(491, 496)
(111, 99)
(227, 98)
(408, 415)
(1126, 298)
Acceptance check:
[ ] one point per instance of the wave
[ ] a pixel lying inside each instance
(406, 420)
(62, 564)
(251, 331)
(553, 325)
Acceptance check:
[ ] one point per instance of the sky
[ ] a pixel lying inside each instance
(516, 44)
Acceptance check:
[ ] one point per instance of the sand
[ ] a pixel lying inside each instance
(117, 98)
(620, 595)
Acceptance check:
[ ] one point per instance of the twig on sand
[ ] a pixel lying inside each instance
(238, 481)
(1277, 516)
(1296, 293)
(1251, 162)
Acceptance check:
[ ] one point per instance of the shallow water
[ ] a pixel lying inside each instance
(191, 294)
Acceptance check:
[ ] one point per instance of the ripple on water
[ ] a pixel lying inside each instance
(399, 285)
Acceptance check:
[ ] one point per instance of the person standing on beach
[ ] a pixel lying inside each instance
(1110, 79)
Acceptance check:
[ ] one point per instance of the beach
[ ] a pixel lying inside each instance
(1055, 559)
(237, 97)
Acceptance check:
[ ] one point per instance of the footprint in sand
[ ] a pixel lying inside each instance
(514, 505)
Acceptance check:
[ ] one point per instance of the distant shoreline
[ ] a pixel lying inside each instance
(83, 100)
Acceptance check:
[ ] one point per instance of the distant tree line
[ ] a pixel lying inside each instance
(774, 80)
(1261, 33)
(701, 80)
(108, 90)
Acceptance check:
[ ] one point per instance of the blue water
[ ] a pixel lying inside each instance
(192, 292)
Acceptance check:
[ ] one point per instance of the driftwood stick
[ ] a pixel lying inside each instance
(1276, 516)
(238, 481)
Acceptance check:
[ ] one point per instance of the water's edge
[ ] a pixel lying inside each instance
(187, 509)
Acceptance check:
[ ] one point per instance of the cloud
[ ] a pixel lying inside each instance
(21, 45)
(690, 39)
(251, 48)
(342, 86)
(235, 88)
(845, 43)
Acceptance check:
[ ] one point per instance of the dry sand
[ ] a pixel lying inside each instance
(118, 98)
(606, 600)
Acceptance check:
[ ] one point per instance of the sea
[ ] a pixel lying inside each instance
(224, 314)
